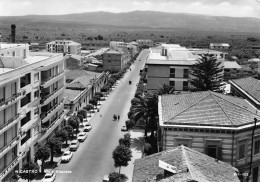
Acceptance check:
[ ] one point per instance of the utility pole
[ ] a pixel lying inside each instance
(251, 156)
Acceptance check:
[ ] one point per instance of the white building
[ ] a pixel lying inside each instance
(64, 46)
(31, 103)
(145, 42)
(219, 46)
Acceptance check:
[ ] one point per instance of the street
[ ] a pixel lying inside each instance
(94, 159)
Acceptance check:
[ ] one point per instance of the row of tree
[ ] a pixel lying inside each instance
(121, 155)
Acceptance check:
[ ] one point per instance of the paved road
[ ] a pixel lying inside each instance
(94, 159)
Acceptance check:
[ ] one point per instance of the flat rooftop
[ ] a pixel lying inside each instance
(6, 45)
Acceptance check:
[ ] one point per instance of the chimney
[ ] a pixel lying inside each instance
(13, 27)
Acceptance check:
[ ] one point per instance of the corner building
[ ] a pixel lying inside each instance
(31, 103)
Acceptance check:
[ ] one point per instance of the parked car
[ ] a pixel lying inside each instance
(82, 136)
(66, 157)
(106, 178)
(74, 145)
(49, 177)
(124, 128)
(87, 127)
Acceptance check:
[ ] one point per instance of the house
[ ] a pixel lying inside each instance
(182, 164)
(64, 46)
(170, 64)
(31, 103)
(82, 88)
(248, 88)
(231, 65)
(212, 123)
(219, 46)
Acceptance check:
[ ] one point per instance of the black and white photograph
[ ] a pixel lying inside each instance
(130, 91)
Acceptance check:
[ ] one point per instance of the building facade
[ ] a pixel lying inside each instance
(114, 60)
(170, 64)
(32, 104)
(64, 46)
(145, 42)
(215, 124)
(219, 46)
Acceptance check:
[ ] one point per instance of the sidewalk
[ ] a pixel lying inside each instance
(137, 138)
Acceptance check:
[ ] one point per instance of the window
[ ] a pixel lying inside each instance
(241, 151)
(255, 174)
(26, 100)
(185, 86)
(36, 94)
(186, 73)
(213, 149)
(172, 72)
(36, 111)
(172, 83)
(36, 77)
(183, 141)
(26, 119)
(257, 147)
(13, 53)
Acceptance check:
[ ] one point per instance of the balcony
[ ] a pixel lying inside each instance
(48, 130)
(9, 168)
(9, 123)
(9, 146)
(50, 80)
(54, 109)
(6, 102)
(50, 97)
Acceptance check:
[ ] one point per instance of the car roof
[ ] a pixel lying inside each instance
(67, 152)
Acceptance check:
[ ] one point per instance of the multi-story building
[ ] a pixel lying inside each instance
(170, 64)
(212, 123)
(64, 46)
(115, 60)
(145, 42)
(31, 103)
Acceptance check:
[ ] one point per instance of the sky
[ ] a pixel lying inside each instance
(234, 8)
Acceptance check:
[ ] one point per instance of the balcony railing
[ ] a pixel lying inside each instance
(9, 144)
(4, 102)
(9, 121)
(48, 96)
(45, 129)
(53, 108)
(48, 79)
(13, 164)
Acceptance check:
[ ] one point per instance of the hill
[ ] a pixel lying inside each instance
(148, 19)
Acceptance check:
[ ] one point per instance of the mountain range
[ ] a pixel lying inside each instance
(147, 20)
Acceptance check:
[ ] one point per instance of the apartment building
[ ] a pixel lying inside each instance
(64, 46)
(145, 42)
(212, 123)
(170, 64)
(115, 60)
(31, 103)
(131, 46)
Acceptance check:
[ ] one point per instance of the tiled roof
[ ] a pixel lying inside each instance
(205, 109)
(250, 85)
(231, 65)
(70, 95)
(82, 81)
(191, 166)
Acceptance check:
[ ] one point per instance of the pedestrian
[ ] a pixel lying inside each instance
(118, 117)
(100, 115)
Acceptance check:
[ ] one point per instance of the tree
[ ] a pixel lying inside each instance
(32, 171)
(165, 89)
(69, 129)
(100, 94)
(82, 112)
(74, 122)
(121, 155)
(93, 101)
(208, 74)
(63, 135)
(126, 141)
(129, 124)
(116, 177)
(146, 108)
(88, 107)
(55, 146)
(147, 148)
(43, 154)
